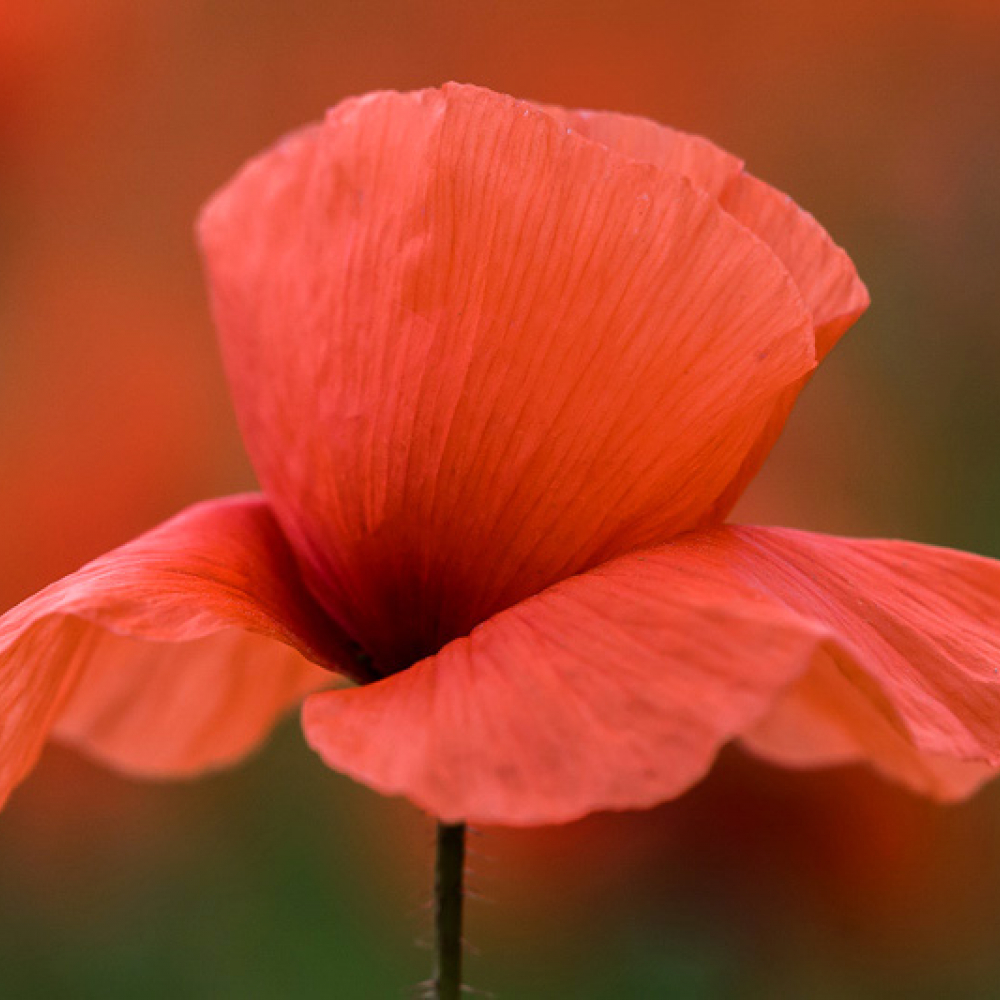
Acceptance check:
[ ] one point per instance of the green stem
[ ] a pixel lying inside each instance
(448, 899)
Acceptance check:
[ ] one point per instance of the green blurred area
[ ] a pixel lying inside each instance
(260, 890)
(284, 880)
(281, 879)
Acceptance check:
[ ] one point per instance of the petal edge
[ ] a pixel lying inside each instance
(138, 657)
(612, 690)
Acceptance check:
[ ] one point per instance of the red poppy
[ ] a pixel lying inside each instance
(503, 371)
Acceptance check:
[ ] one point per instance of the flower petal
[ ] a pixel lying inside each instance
(921, 623)
(822, 271)
(612, 690)
(825, 720)
(168, 655)
(615, 689)
(474, 353)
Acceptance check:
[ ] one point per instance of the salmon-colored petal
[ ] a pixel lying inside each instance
(920, 623)
(612, 690)
(474, 352)
(822, 271)
(168, 655)
(615, 689)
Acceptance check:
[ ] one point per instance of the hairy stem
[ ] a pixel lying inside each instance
(448, 900)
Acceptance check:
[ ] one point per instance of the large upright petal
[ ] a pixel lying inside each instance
(616, 688)
(168, 655)
(474, 352)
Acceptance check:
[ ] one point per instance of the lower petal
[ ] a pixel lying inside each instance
(167, 710)
(616, 688)
(171, 654)
(612, 690)
(919, 622)
(825, 720)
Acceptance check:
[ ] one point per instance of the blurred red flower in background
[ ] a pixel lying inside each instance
(502, 372)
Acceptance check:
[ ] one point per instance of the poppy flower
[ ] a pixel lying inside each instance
(503, 370)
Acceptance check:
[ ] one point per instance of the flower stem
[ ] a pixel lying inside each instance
(448, 899)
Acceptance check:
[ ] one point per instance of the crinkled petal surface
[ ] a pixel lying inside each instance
(474, 352)
(822, 271)
(169, 655)
(616, 688)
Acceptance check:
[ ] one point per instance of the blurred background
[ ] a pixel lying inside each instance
(281, 879)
